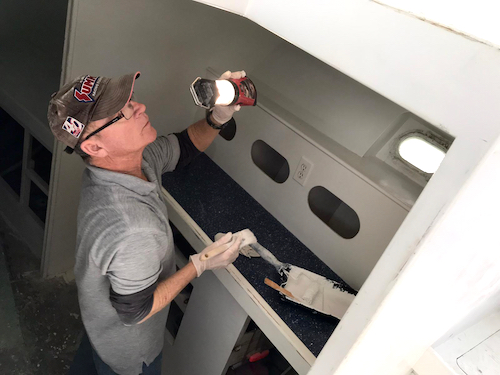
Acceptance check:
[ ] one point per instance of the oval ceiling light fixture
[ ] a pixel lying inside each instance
(421, 154)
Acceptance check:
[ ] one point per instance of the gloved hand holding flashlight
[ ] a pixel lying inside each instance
(224, 96)
(223, 113)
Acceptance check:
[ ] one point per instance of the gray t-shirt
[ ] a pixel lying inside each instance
(124, 241)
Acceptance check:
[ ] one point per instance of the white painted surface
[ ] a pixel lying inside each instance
(26, 118)
(475, 316)
(476, 19)
(464, 351)
(324, 98)
(368, 118)
(452, 271)
(352, 259)
(235, 6)
(483, 359)
(432, 364)
(426, 69)
(207, 334)
(451, 82)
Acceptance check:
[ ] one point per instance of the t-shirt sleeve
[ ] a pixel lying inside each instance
(188, 150)
(133, 308)
(133, 274)
(136, 264)
(164, 151)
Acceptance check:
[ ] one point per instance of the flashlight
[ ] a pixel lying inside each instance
(208, 93)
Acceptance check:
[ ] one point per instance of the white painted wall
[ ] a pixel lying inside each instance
(459, 353)
(472, 18)
(478, 313)
(450, 81)
(326, 99)
(452, 269)
(424, 68)
(207, 333)
(352, 259)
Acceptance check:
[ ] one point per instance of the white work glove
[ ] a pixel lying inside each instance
(230, 251)
(223, 113)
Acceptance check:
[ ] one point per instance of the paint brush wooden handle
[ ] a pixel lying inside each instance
(246, 236)
(216, 251)
(275, 286)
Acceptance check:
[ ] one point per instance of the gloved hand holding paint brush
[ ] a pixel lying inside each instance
(222, 252)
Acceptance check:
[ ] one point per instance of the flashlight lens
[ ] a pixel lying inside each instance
(226, 92)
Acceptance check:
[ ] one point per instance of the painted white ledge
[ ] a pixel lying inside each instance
(446, 78)
(471, 351)
(282, 337)
(458, 354)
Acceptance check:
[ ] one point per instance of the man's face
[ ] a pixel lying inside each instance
(125, 137)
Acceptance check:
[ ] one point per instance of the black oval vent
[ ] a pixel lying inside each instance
(270, 161)
(341, 218)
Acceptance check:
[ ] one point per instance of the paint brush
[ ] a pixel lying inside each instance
(247, 238)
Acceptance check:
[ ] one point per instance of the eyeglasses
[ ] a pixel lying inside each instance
(127, 112)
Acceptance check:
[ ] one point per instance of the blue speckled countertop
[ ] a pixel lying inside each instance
(218, 204)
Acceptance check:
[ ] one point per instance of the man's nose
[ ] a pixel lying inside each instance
(139, 109)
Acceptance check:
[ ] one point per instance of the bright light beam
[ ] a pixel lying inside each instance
(422, 154)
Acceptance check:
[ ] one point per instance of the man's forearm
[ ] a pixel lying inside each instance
(202, 134)
(169, 288)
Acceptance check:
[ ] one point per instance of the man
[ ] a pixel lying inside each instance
(125, 268)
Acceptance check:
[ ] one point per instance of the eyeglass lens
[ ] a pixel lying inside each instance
(128, 111)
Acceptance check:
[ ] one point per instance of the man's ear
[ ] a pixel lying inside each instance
(93, 148)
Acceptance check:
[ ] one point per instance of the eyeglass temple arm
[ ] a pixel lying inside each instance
(105, 126)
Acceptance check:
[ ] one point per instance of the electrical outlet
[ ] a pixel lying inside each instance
(303, 170)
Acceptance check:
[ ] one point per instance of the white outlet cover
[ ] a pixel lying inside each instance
(303, 171)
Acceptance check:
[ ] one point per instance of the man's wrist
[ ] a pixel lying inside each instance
(214, 123)
(196, 263)
(194, 270)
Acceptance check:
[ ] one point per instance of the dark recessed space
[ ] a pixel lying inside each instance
(38, 202)
(255, 354)
(174, 319)
(41, 160)
(11, 151)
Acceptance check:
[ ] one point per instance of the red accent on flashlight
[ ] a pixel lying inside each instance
(246, 92)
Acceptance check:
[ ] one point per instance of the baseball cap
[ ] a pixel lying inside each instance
(86, 99)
